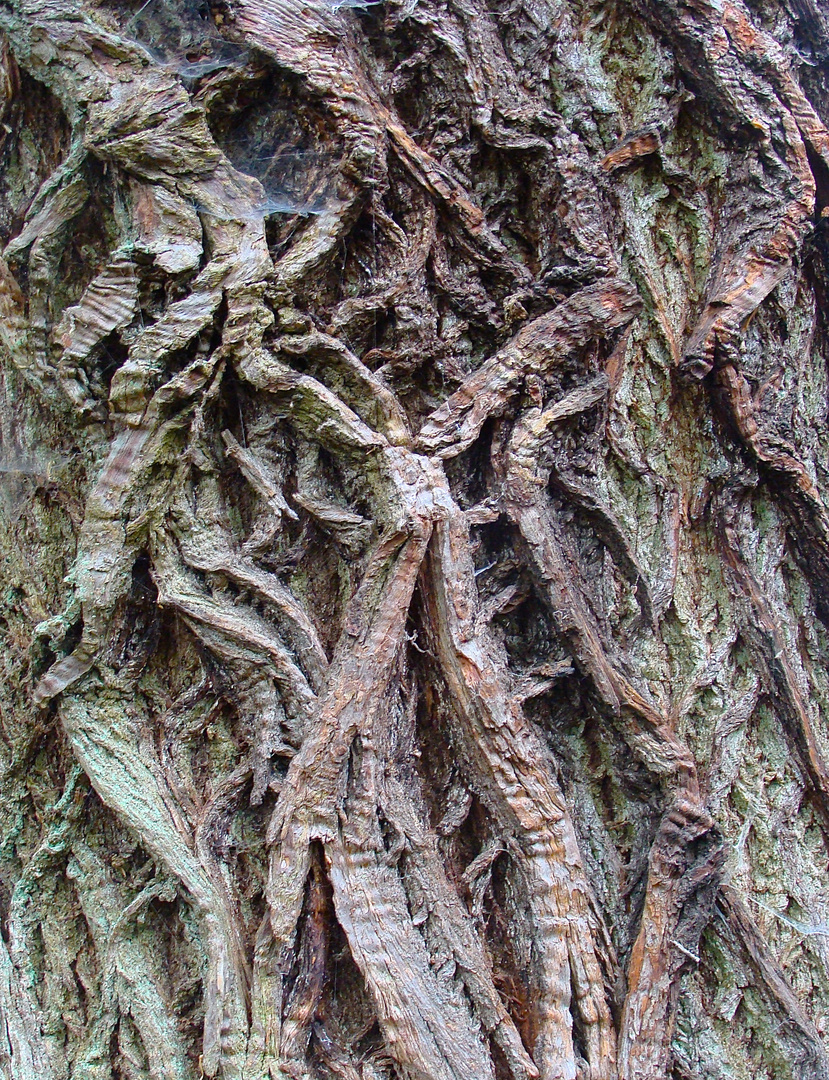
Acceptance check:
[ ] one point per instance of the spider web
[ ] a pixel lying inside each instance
(182, 36)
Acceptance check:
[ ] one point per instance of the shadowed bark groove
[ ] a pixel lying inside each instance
(414, 542)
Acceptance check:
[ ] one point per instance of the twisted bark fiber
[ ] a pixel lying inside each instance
(414, 423)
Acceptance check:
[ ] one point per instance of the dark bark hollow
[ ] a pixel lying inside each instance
(414, 549)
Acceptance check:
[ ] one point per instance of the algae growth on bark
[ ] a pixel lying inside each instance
(414, 548)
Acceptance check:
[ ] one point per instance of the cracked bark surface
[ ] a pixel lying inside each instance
(415, 542)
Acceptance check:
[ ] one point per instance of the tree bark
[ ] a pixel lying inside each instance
(415, 548)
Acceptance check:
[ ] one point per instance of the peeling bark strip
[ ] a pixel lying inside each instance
(384, 565)
(592, 312)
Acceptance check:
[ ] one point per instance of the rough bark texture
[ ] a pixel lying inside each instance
(414, 543)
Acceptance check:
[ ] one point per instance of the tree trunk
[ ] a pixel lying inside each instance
(414, 549)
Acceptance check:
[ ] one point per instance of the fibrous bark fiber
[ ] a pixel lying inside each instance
(414, 553)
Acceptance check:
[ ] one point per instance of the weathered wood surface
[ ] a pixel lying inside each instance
(415, 543)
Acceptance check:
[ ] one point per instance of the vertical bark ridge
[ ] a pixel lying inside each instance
(526, 799)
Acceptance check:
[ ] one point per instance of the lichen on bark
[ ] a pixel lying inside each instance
(414, 545)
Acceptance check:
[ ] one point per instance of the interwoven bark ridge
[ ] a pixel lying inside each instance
(415, 546)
